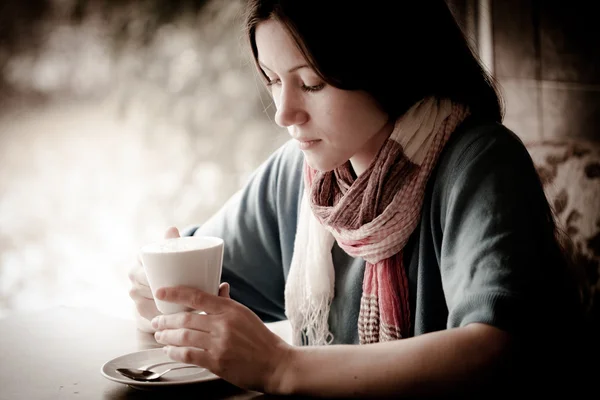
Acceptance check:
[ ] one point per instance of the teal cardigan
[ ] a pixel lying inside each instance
(484, 250)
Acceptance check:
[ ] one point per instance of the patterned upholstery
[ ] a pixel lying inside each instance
(570, 171)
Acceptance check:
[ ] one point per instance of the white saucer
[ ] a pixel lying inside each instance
(184, 376)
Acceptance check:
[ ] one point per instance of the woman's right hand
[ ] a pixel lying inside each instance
(140, 291)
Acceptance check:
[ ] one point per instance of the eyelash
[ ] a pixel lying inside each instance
(308, 89)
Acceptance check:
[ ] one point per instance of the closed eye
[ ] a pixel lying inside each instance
(305, 88)
(314, 88)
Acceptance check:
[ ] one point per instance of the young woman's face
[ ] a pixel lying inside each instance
(330, 125)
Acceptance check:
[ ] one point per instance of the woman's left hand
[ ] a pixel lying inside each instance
(229, 340)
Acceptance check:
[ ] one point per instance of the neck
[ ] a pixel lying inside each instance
(363, 159)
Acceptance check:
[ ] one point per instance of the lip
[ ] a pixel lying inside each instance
(305, 144)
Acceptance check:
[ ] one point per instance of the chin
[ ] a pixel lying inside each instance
(322, 165)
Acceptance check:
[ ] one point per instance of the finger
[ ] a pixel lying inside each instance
(142, 290)
(137, 274)
(224, 290)
(183, 337)
(190, 355)
(172, 232)
(194, 298)
(188, 320)
(146, 308)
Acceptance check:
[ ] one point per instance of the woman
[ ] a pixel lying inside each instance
(403, 231)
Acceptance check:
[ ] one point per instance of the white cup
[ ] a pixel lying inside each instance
(194, 261)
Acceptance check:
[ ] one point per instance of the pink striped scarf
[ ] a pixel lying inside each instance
(371, 217)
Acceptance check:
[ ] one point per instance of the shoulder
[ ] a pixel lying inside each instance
(479, 148)
(288, 161)
(284, 164)
(290, 156)
(482, 164)
(278, 181)
(475, 139)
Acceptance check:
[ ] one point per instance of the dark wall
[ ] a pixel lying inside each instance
(546, 57)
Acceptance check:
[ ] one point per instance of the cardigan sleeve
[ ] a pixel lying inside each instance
(499, 261)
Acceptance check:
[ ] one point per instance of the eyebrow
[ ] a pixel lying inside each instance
(297, 67)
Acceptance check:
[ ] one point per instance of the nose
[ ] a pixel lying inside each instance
(290, 108)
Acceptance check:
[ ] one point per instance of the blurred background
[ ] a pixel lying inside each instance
(119, 118)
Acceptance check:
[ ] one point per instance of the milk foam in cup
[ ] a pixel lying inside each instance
(195, 261)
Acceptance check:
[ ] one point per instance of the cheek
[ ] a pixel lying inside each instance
(359, 111)
(333, 119)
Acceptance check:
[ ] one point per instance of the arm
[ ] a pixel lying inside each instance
(435, 363)
(232, 342)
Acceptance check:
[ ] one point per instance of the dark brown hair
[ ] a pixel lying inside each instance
(398, 51)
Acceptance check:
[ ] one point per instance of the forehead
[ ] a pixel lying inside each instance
(276, 48)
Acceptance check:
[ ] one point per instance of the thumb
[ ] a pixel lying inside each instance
(224, 290)
(172, 232)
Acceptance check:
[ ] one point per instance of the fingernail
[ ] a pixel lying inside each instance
(154, 322)
(157, 335)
